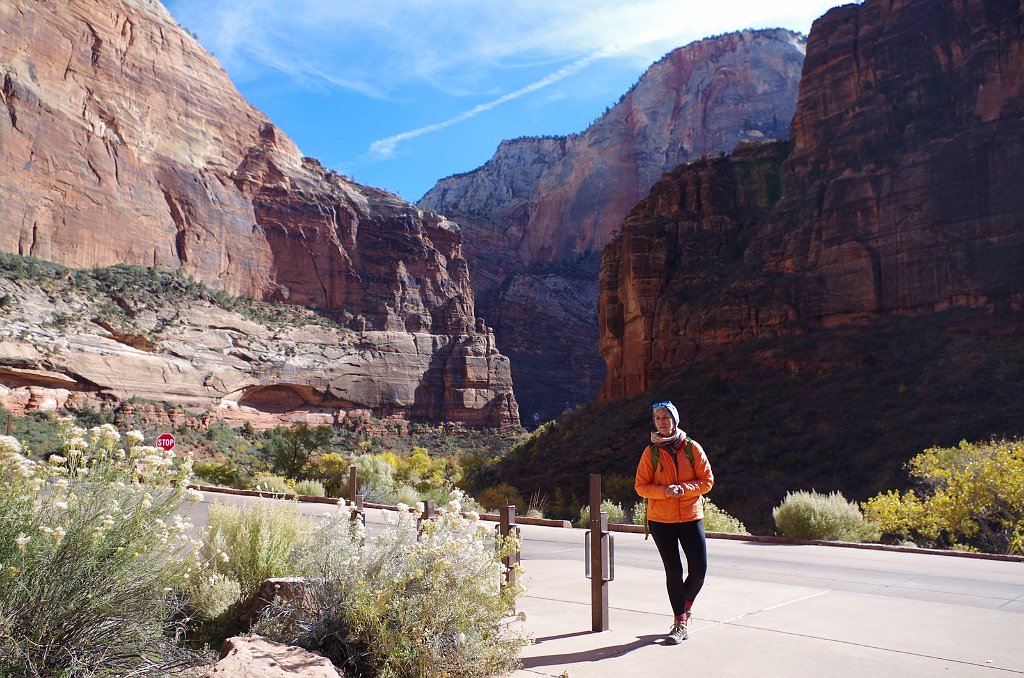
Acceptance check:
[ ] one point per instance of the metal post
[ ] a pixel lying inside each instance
(598, 582)
(352, 483)
(507, 528)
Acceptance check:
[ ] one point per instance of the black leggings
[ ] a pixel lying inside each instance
(689, 535)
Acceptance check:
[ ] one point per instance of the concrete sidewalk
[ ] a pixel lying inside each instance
(753, 628)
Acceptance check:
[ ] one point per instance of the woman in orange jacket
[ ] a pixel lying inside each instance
(675, 512)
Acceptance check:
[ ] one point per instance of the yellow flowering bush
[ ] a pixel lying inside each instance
(423, 598)
(970, 496)
(91, 549)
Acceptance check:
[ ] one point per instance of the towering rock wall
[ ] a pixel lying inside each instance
(900, 196)
(537, 215)
(123, 141)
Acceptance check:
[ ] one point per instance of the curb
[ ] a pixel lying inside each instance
(639, 529)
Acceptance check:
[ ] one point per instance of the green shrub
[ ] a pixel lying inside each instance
(222, 475)
(90, 557)
(270, 483)
(405, 494)
(639, 513)
(212, 595)
(332, 469)
(310, 488)
(374, 476)
(616, 514)
(251, 544)
(717, 520)
(405, 607)
(809, 515)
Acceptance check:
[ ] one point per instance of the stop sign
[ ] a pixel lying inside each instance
(165, 441)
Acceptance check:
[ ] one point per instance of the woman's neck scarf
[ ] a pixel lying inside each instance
(671, 441)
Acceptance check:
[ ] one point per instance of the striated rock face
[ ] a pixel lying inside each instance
(538, 214)
(900, 196)
(123, 141)
(57, 350)
(662, 301)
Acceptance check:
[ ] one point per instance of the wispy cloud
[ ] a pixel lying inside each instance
(463, 48)
(384, 148)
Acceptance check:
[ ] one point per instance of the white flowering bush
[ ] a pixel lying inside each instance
(91, 552)
(419, 599)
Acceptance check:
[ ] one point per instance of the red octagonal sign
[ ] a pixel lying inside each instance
(165, 441)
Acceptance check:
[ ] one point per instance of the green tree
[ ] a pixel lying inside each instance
(289, 449)
(969, 496)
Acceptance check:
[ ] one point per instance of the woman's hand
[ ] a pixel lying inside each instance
(674, 491)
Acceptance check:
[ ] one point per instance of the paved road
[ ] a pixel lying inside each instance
(769, 610)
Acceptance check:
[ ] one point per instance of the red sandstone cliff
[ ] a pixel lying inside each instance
(900, 196)
(537, 215)
(123, 141)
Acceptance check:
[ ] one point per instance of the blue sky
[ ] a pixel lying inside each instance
(400, 93)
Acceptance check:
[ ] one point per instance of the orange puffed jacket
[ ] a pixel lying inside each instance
(696, 481)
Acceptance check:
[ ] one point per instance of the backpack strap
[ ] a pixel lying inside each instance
(655, 453)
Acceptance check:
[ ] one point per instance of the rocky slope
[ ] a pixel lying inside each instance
(68, 340)
(123, 141)
(826, 308)
(537, 215)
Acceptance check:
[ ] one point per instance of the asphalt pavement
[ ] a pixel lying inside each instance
(772, 610)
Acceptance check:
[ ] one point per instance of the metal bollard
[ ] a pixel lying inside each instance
(600, 557)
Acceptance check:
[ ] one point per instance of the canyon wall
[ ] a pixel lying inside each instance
(123, 142)
(898, 195)
(538, 214)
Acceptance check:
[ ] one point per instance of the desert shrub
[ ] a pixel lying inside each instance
(270, 483)
(374, 476)
(251, 544)
(91, 557)
(497, 496)
(970, 496)
(331, 469)
(638, 515)
(616, 514)
(213, 473)
(212, 595)
(404, 494)
(423, 472)
(717, 520)
(810, 515)
(310, 488)
(405, 607)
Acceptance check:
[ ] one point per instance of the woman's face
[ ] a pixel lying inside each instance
(663, 421)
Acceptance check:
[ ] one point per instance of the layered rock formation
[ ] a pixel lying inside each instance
(537, 215)
(123, 141)
(900, 196)
(61, 346)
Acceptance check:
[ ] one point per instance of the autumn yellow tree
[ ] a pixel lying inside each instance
(970, 496)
